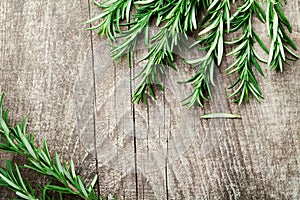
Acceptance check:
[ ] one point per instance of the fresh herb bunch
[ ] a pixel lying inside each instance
(129, 20)
(15, 140)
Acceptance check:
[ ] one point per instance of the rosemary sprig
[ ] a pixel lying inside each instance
(114, 12)
(180, 16)
(128, 39)
(15, 140)
(245, 54)
(163, 42)
(12, 179)
(276, 21)
(217, 17)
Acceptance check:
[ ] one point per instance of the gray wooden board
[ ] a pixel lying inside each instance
(50, 65)
(42, 46)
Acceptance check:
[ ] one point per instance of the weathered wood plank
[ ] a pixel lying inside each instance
(114, 121)
(150, 139)
(42, 45)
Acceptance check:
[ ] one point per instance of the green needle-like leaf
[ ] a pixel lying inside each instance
(220, 115)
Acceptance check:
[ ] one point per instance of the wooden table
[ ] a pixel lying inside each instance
(47, 57)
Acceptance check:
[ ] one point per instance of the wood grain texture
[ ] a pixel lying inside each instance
(42, 45)
(49, 64)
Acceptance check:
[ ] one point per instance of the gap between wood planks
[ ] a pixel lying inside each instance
(95, 103)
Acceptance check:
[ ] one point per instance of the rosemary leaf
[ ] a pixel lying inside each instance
(220, 115)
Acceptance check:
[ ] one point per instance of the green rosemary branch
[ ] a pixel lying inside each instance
(128, 39)
(114, 12)
(138, 26)
(12, 179)
(179, 16)
(245, 54)
(276, 21)
(15, 140)
(217, 17)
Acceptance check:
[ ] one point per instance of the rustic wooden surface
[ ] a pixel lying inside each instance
(43, 49)
(42, 46)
